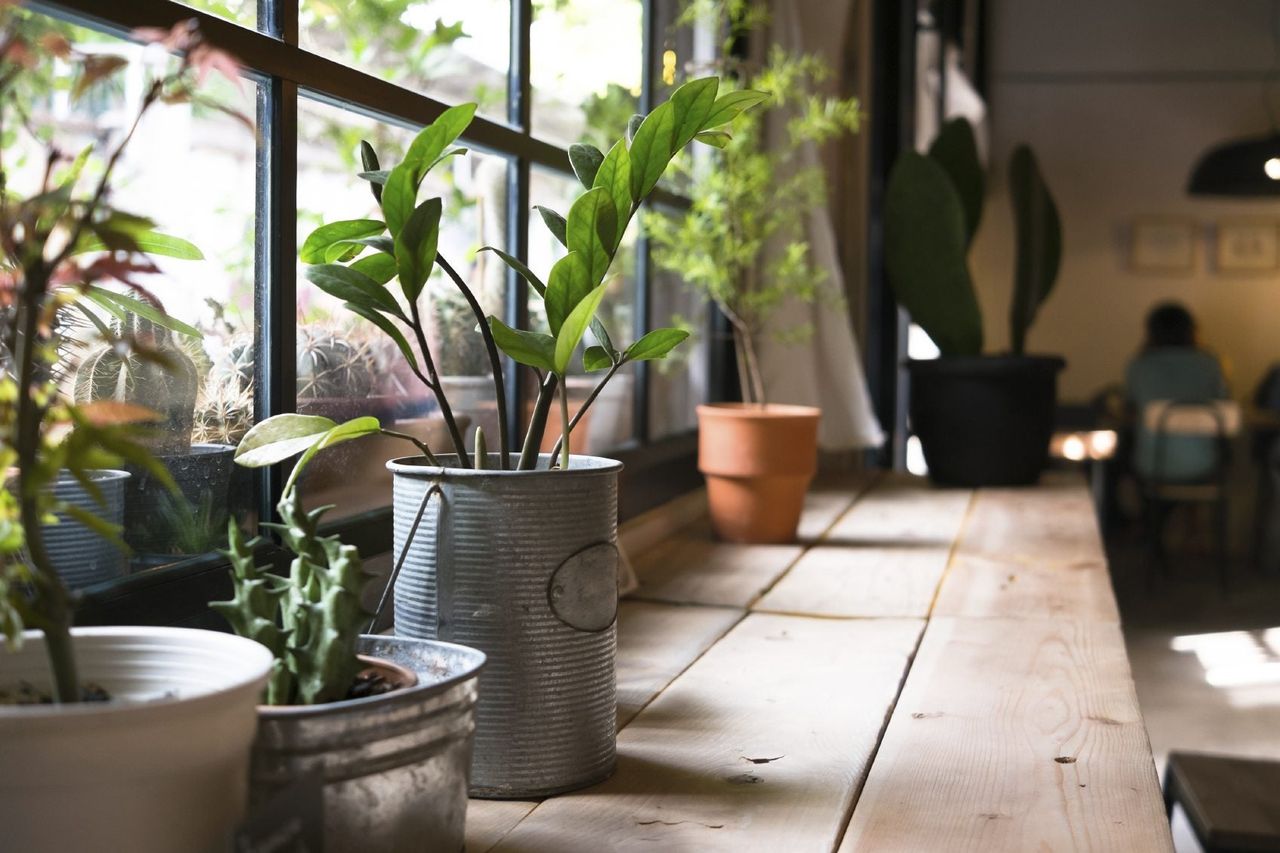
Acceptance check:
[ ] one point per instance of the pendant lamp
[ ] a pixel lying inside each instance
(1239, 168)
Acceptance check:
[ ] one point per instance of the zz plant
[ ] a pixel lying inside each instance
(356, 260)
(933, 205)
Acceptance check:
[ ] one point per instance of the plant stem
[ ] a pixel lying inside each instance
(586, 404)
(537, 424)
(421, 445)
(446, 412)
(564, 426)
(495, 361)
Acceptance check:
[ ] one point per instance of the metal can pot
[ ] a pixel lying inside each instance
(393, 767)
(522, 565)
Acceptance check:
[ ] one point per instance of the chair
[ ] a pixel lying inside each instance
(1163, 488)
(1232, 804)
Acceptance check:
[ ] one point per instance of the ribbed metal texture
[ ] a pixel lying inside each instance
(478, 573)
(394, 767)
(80, 556)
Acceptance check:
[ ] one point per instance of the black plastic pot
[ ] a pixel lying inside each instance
(985, 420)
(203, 477)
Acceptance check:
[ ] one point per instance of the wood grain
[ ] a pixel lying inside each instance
(489, 820)
(805, 698)
(883, 558)
(1051, 524)
(981, 588)
(1014, 735)
(657, 642)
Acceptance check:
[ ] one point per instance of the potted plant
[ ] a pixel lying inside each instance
(135, 738)
(518, 555)
(752, 258)
(160, 374)
(983, 420)
(384, 723)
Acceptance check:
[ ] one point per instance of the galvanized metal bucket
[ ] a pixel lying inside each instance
(79, 555)
(522, 565)
(394, 767)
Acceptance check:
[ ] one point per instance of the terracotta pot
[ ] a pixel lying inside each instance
(758, 461)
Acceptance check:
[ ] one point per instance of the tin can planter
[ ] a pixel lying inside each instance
(522, 565)
(162, 767)
(79, 555)
(393, 767)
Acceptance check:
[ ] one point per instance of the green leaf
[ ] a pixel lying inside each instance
(416, 248)
(102, 527)
(592, 230)
(655, 344)
(399, 196)
(956, 150)
(1037, 242)
(575, 326)
(117, 234)
(280, 437)
(315, 247)
(381, 268)
(586, 160)
(925, 248)
(602, 337)
(343, 432)
(569, 282)
(614, 175)
(530, 348)
(388, 328)
(452, 152)
(377, 177)
(732, 104)
(633, 124)
(369, 159)
(651, 150)
(596, 358)
(714, 138)
(519, 266)
(428, 145)
(692, 104)
(114, 302)
(351, 285)
(555, 223)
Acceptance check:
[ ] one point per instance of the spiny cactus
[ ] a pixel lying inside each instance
(224, 413)
(332, 366)
(144, 366)
(317, 612)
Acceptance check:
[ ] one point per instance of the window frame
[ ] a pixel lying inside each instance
(655, 471)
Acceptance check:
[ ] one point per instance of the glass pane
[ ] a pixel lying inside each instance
(346, 366)
(586, 60)
(678, 383)
(190, 169)
(609, 422)
(454, 50)
(243, 12)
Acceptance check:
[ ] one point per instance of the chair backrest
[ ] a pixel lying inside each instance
(1215, 422)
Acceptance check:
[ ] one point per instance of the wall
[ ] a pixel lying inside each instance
(1119, 99)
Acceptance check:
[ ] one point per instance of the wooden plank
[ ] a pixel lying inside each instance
(760, 745)
(657, 642)
(883, 558)
(693, 568)
(1052, 524)
(1014, 735)
(488, 821)
(981, 588)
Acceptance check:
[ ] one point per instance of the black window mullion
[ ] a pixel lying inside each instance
(519, 114)
(643, 310)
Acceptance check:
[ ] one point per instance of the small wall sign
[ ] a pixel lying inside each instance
(1248, 246)
(1163, 245)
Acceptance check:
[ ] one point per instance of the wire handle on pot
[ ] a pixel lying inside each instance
(404, 552)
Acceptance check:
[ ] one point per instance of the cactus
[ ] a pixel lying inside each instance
(224, 414)
(932, 208)
(311, 620)
(144, 366)
(331, 366)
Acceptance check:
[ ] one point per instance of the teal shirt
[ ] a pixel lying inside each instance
(1182, 374)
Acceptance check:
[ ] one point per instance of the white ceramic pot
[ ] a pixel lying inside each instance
(162, 768)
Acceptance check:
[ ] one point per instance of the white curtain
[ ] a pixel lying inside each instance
(826, 370)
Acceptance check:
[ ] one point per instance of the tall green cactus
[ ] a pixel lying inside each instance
(311, 620)
(1038, 233)
(156, 374)
(933, 205)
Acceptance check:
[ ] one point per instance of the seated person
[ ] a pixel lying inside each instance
(1173, 367)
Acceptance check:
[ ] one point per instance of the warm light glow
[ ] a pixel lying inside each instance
(669, 67)
(1073, 448)
(1235, 658)
(1102, 443)
(1272, 168)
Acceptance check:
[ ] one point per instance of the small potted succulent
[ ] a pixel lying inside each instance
(982, 420)
(385, 720)
(513, 553)
(131, 738)
(752, 259)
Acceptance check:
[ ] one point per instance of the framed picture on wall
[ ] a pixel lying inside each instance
(1162, 245)
(1248, 246)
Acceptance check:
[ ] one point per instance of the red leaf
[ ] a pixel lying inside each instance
(103, 413)
(96, 67)
(205, 58)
